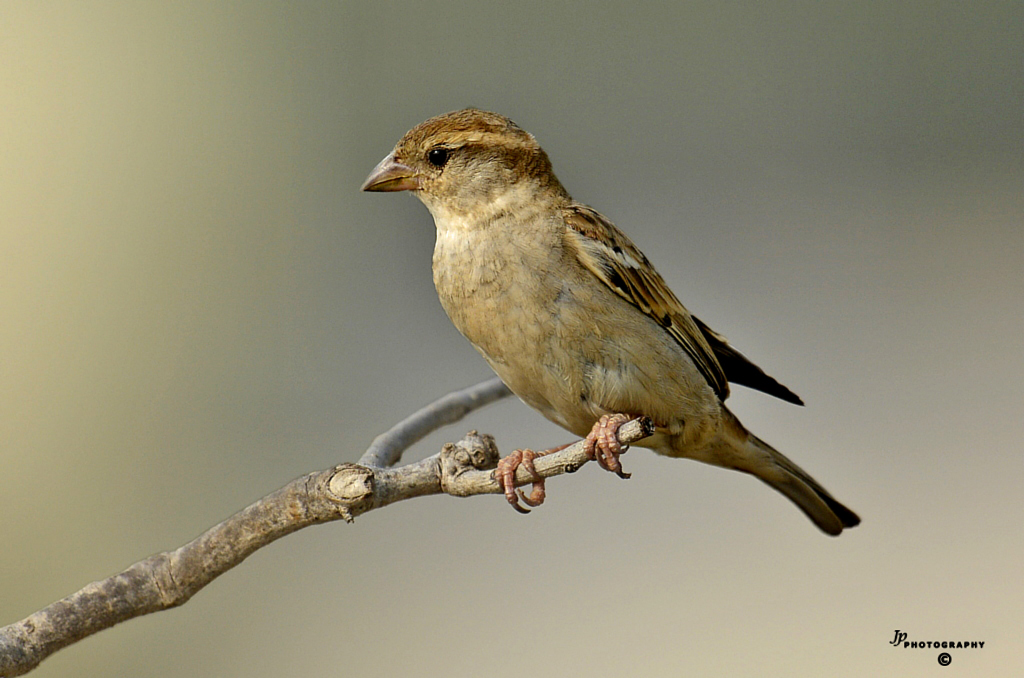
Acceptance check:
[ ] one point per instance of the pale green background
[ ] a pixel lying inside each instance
(198, 305)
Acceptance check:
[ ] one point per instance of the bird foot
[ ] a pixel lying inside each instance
(602, 443)
(505, 474)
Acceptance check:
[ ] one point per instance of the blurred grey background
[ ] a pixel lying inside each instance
(197, 305)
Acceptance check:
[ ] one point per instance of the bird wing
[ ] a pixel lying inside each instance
(607, 253)
(739, 370)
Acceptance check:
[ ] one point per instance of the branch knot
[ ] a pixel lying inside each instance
(352, 487)
(475, 452)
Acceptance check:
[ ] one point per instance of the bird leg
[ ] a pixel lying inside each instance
(602, 443)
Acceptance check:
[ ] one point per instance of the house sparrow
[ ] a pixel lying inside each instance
(572, 316)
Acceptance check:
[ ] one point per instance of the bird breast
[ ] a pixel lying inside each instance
(569, 348)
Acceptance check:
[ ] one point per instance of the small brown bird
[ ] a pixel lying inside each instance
(572, 316)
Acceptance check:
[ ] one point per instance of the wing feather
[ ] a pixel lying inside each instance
(615, 260)
(739, 370)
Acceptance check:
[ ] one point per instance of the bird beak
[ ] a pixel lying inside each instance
(391, 175)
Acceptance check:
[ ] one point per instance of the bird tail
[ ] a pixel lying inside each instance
(814, 500)
(737, 448)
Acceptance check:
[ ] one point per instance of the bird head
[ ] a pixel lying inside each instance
(458, 160)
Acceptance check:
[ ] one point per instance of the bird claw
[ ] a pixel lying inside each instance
(602, 443)
(505, 474)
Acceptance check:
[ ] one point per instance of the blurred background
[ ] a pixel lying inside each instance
(197, 305)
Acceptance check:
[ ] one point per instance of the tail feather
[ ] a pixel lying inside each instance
(814, 500)
(737, 448)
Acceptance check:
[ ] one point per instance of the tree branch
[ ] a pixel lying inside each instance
(387, 448)
(169, 579)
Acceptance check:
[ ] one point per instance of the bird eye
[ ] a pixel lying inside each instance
(437, 156)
